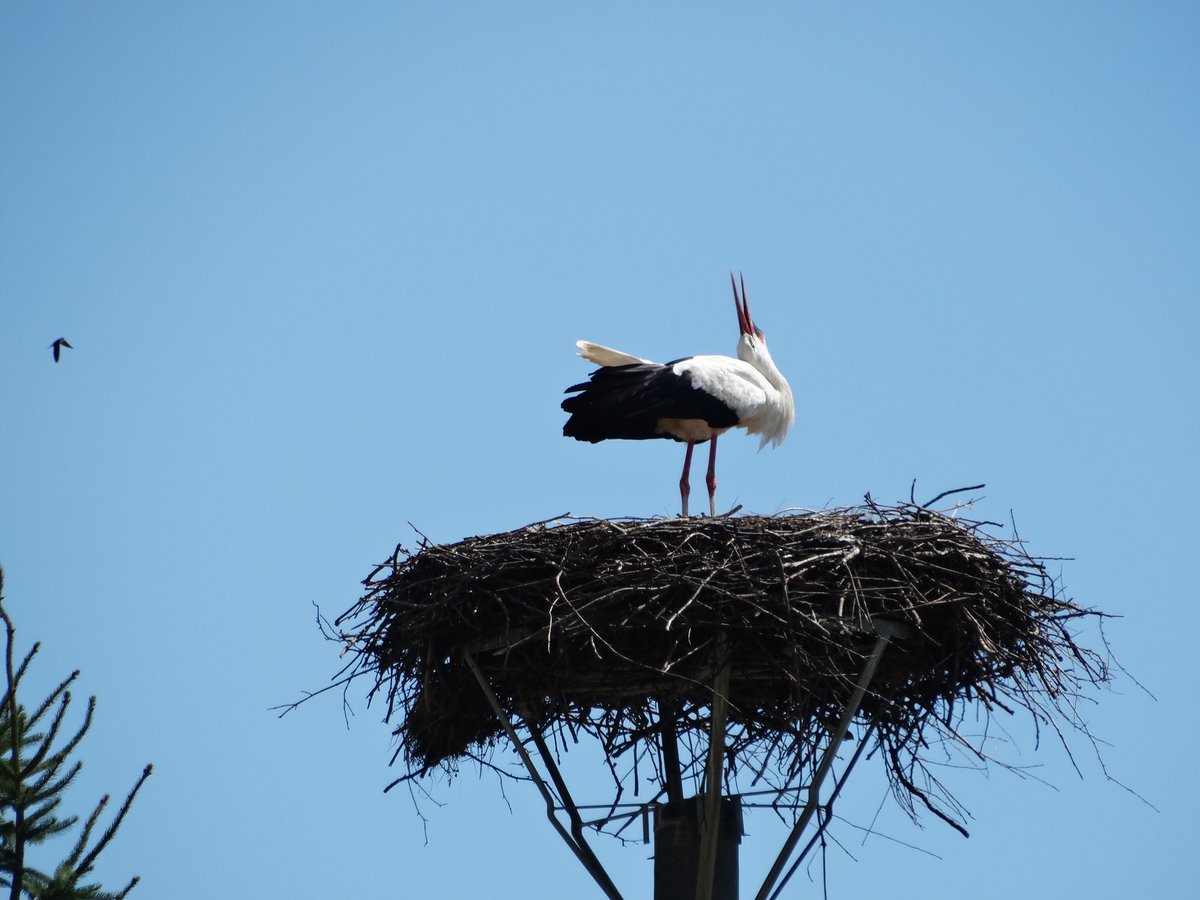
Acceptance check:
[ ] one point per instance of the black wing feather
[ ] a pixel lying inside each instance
(627, 402)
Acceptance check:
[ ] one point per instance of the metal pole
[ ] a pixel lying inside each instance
(568, 803)
(706, 870)
(668, 716)
(677, 837)
(839, 783)
(814, 790)
(696, 840)
(581, 850)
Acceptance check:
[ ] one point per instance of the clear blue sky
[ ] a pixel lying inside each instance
(323, 268)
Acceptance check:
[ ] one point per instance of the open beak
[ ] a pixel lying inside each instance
(745, 323)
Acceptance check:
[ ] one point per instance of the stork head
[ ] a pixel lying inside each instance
(752, 336)
(774, 421)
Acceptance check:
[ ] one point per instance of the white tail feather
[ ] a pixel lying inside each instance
(607, 356)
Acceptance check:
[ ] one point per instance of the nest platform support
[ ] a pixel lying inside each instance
(678, 836)
(814, 789)
(714, 774)
(718, 657)
(672, 773)
(575, 840)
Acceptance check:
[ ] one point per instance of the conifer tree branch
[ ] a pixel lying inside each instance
(46, 786)
(86, 834)
(32, 787)
(110, 832)
(20, 673)
(14, 748)
(32, 720)
(67, 750)
(46, 740)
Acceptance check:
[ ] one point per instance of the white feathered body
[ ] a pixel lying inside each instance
(691, 399)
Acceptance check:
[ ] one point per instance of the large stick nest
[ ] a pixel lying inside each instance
(612, 627)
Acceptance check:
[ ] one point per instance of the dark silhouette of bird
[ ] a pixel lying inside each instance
(57, 347)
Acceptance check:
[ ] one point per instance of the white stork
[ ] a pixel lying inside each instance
(694, 399)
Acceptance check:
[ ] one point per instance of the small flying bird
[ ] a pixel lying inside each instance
(693, 399)
(58, 345)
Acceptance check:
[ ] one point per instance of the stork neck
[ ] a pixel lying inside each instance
(761, 360)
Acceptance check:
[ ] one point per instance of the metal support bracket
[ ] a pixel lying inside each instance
(575, 842)
(835, 743)
(707, 868)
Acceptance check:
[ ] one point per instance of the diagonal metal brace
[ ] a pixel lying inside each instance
(577, 844)
(814, 789)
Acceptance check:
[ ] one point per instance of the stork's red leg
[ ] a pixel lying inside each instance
(684, 487)
(712, 477)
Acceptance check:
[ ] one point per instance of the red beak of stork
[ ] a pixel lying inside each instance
(745, 323)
